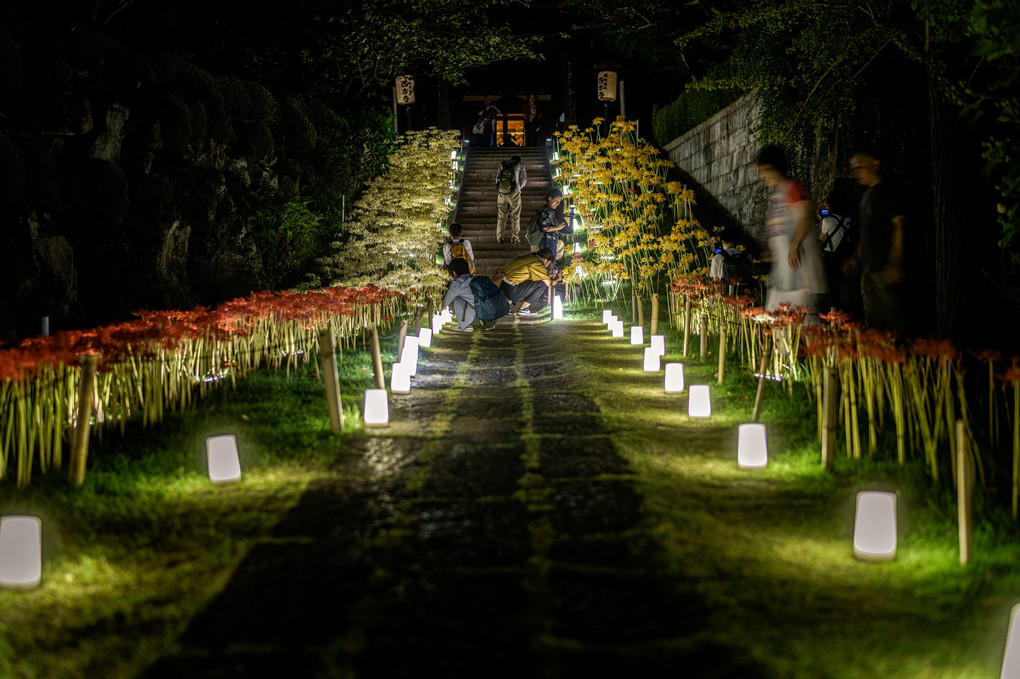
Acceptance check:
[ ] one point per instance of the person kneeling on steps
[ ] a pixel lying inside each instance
(459, 296)
(525, 281)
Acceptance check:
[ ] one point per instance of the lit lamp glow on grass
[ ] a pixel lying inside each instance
(651, 360)
(659, 344)
(875, 526)
(377, 412)
(20, 551)
(425, 338)
(437, 324)
(637, 334)
(752, 449)
(674, 377)
(699, 401)
(1011, 658)
(607, 316)
(400, 379)
(409, 356)
(221, 456)
(557, 310)
(618, 329)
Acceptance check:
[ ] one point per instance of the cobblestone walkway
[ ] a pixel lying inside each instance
(490, 531)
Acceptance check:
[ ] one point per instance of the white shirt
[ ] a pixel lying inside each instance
(831, 228)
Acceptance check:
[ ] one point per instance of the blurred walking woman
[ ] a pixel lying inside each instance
(796, 277)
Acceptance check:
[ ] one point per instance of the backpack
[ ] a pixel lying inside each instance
(847, 244)
(737, 266)
(507, 181)
(458, 251)
(535, 233)
(490, 302)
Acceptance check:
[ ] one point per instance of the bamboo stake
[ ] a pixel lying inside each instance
(633, 307)
(401, 336)
(687, 325)
(377, 368)
(830, 418)
(964, 492)
(761, 383)
(704, 337)
(80, 445)
(722, 352)
(329, 372)
(654, 330)
(640, 310)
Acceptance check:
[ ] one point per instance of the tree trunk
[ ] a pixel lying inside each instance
(949, 185)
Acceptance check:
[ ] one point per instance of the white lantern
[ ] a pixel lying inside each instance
(400, 379)
(607, 85)
(409, 356)
(752, 449)
(674, 377)
(659, 344)
(1011, 658)
(699, 401)
(221, 456)
(651, 360)
(875, 526)
(20, 551)
(453, 154)
(637, 334)
(578, 270)
(377, 412)
(577, 248)
(425, 338)
(405, 89)
(607, 316)
(557, 311)
(618, 329)
(437, 324)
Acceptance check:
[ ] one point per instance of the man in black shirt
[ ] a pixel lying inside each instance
(879, 254)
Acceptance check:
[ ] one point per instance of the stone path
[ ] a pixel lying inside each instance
(490, 531)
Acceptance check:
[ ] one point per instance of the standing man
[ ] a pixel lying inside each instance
(511, 177)
(879, 254)
(526, 280)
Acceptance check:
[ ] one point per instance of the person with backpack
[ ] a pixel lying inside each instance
(731, 266)
(526, 280)
(546, 225)
(458, 247)
(511, 178)
(486, 125)
(838, 238)
(459, 297)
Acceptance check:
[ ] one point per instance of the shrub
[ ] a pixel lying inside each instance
(689, 110)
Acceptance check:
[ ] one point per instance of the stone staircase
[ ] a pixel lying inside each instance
(476, 207)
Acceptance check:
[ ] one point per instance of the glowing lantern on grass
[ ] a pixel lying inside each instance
(577, 248)
(221, 456)
(618, 329)
(875, 526)
(674, 377)
(409, 356)
(453, 155)
(659, 344)
(607, 316)
(437, 324)
(20, 551)
(425, 338)
(651, 360)
(557, 310)
(377, 412)
(1011, 658)
(637, 334)
(752, 449)
(699, 402)
(400, 379)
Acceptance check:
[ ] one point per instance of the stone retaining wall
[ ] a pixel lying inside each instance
(719, 157)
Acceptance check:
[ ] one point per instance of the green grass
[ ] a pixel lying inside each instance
(772, 549)
(135, 552)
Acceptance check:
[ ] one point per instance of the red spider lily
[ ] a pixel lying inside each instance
(938, 349)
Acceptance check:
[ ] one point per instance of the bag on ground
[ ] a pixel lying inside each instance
(490, 302)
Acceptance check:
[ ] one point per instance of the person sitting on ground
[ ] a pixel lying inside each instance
(526, 281)
(459, 296)
(547, 223)
(458, 247)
